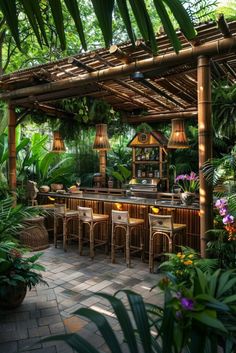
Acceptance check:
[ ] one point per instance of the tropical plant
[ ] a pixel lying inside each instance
(188, 183)
(222, 238)
(221, 172)
(183, 264)
(122, 173)
(35, 13)
(11, 218)
(16, 269)
(224, 111)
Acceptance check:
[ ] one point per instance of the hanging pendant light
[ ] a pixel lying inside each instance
(58, 143)
(101, 141)
(178, 138)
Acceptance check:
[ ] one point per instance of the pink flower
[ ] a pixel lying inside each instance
(193, 176)
(221, 203)
(223, 211)
(228, 219)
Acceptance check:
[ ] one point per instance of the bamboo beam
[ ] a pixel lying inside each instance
(205, 147)
(160, 117)
(12, 148)
(141, 45)
(124, 95)
(120, 54)
(217, 47)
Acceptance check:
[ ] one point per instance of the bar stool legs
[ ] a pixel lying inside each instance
(87, 217)
(121, 220)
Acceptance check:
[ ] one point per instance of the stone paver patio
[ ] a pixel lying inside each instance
(72, 281)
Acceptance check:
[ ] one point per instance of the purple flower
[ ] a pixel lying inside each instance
(178, 314)
(223, 211)
(228, 219)
(180, 177)
(221, 203)
(186, 303)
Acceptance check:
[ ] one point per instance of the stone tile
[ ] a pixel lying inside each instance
(73, 281)
(48, 320)
(10, 347)
(39, 331)
(57, 328)
(49, 311)
(74, 323)
(29, 344)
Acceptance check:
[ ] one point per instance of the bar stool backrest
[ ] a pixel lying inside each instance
(120, 217)
(60, 208)
(161, 222)
(85, 213)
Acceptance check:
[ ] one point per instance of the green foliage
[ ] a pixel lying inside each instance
(201, 10)
(122, 173)
(11, 218)
(36, 13)
(16, 269)
(221, 172)
(144, 127)
(224, 111)
(183, 264)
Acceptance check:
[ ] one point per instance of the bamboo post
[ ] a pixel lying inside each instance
(102, 166)
(12, 148)
(205, 146)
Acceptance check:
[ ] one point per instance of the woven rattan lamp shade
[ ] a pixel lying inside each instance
(58, 143)
(101, 141)
(178, 138)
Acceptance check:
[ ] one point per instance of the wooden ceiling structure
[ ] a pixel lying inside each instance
(131, 79)
(163, 89)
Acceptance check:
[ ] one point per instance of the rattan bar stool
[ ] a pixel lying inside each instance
(162, 226)
(86, 216)
(66, 217)
(121, 220)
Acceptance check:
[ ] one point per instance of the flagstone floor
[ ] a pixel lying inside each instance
(72, 282)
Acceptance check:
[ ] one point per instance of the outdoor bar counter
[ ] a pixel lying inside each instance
(138, 207)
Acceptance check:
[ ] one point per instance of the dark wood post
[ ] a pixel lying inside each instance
(12, 147)
(205, 146)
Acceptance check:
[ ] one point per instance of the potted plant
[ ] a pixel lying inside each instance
(17, 273)
(189, 184)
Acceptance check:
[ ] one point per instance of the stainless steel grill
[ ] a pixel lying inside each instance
(144, 187)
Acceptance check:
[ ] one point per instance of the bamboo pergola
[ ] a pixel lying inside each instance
(171, 86)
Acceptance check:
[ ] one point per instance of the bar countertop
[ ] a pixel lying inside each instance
(122, 199)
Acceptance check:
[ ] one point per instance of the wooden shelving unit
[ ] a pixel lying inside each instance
(150, 158)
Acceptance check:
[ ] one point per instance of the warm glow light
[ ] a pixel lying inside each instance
(155, 210)
(101, 141)
(58, 143)
(178, 138)
(118, 206)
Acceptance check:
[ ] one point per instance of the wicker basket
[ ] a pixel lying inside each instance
(34, 235)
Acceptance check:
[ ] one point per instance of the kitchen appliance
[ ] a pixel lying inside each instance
(147, 187)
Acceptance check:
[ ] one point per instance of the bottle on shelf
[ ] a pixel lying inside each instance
(138, 155)
(143, 155)
(147, 154)
(139, 173)
(143, 173)
(156, 173)
(150, 172)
